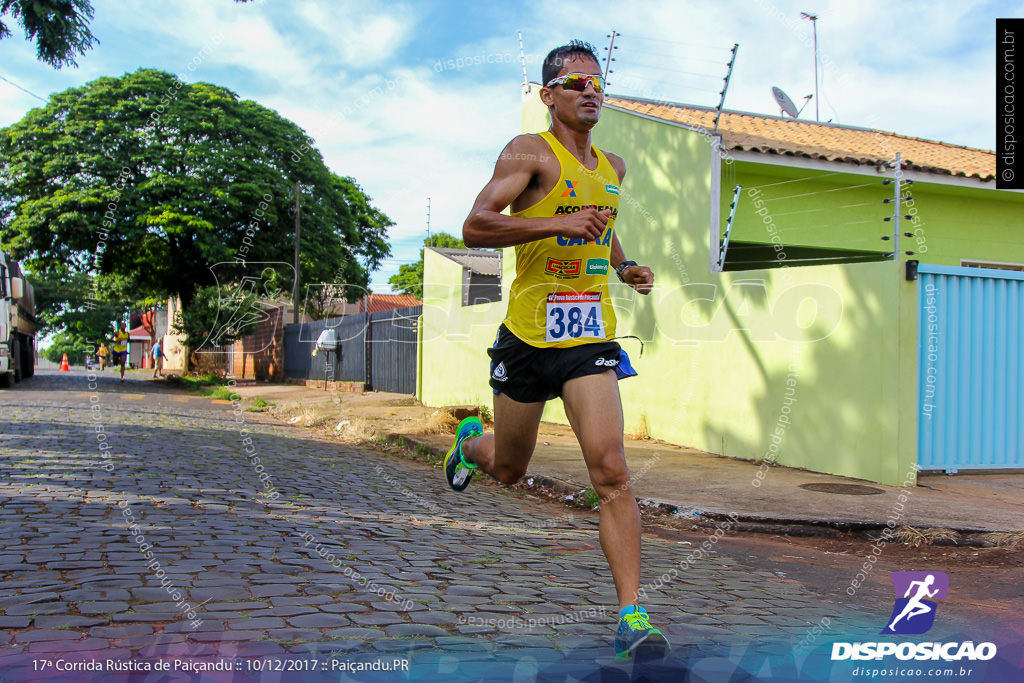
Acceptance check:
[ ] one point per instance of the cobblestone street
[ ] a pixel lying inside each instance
(184, 540)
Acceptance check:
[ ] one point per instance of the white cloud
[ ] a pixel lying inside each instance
(361, 35)
(202, 37)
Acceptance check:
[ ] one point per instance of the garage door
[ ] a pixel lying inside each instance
(971, 369)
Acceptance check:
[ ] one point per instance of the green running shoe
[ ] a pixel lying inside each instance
(636, 638)
(457, 471)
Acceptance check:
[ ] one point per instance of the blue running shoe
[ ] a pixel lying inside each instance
(636, 637)
(457, 471)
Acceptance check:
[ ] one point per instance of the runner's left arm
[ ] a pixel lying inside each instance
(640, 278)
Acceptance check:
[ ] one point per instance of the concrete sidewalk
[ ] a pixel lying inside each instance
(698, 484)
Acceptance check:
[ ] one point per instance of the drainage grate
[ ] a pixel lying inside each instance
(843, 489)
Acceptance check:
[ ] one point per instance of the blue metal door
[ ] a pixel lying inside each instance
(971, 368)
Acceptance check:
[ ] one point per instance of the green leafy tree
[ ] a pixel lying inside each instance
(214, 320)
(60, 28)
(156, 181)
(70, 344)
(409, 279)
(369, 225)
(62, 308)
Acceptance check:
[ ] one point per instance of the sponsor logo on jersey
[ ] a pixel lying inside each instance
(570, 190)
(597, 266)
(605, 240)
(611, 189)
(563, 269)
(564, 209)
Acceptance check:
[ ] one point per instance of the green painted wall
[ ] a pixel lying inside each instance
(789, 365)
(842, 210)
(455, 338)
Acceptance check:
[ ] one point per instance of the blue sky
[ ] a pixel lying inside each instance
(369, 81)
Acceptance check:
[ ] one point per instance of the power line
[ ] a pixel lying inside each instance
(679, 42)
(25, 90)
(811, 194)
(796, 180)
(669, 55)
(640, 82)
(830, 208)
(642, 65)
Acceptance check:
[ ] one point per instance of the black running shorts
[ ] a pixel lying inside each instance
(530, 374)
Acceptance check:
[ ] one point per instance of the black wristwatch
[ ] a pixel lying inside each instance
(622, 266)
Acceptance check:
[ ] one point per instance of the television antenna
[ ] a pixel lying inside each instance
(813, 18)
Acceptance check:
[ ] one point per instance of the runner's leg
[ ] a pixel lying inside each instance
(594, 410)
(505, 454)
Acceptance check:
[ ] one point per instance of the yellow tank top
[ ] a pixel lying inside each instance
(560, 295)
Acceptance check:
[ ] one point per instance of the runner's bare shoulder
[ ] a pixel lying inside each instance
(528, 150)
(617, 162)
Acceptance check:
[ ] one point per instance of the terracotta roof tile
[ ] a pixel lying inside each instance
(386, 302)
(829, 142)
(139, 333)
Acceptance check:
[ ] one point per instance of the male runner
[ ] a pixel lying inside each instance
(556, 339)
(120, 347)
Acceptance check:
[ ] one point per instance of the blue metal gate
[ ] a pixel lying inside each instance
(971, 368)
(393, 350)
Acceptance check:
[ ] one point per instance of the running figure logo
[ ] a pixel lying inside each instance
(913, 611)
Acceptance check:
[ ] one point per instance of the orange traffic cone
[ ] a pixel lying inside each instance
(64, 364)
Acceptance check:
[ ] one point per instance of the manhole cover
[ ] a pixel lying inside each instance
(843, 489)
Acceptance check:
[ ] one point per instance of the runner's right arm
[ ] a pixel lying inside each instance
(518, 165)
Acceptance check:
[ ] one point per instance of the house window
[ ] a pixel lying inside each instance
(996, 265)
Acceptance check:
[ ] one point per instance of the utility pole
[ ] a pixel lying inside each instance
(428, 219)
(295, 289)
(814, 23)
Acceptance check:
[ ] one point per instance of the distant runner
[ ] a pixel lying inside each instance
(120, 347)
(557, 337)
(101, 355)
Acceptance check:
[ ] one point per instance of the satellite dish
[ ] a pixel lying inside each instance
(785, 104)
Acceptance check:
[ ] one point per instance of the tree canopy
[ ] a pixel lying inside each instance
(409, 279)
(156, 180)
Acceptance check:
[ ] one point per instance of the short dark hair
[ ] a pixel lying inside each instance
(557, 58)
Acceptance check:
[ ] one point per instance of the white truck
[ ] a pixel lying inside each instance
(17, 324)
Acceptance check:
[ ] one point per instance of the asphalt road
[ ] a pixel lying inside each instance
(143, 527)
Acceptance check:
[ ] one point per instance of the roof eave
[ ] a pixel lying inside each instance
(863, 166)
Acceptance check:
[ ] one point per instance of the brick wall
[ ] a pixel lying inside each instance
(260, 356)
